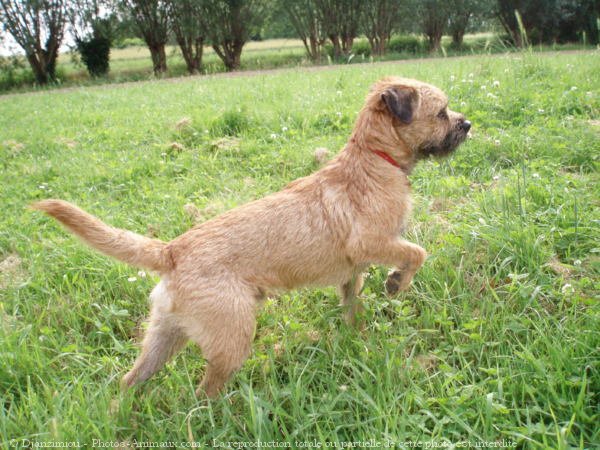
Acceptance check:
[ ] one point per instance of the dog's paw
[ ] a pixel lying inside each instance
(397, 281)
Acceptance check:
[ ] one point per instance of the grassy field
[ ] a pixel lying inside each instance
(498, 339)
(135, 60)
(133, 63)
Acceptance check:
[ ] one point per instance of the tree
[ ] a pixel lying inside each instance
(461, 12)
(434, 17)
(151, 18)
(188, 22)
(92, 28)
(549, 20)
(380, 18)
(576, 17)
(540, 19)
(38, 27)
(230, 25)
(303, 15)
(340, 20)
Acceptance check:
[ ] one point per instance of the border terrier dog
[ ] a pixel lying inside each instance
(324, 229)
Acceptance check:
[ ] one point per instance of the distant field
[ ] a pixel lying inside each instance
(499, 337)
(138, 58)
(134, 63)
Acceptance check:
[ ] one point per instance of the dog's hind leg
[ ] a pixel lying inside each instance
(349, 298)
(162, 340)
(223, 327)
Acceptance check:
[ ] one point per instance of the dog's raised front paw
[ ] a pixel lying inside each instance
(397, 281)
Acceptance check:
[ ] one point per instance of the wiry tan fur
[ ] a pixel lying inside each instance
(323, 229)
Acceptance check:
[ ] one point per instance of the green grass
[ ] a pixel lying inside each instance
(497, 339)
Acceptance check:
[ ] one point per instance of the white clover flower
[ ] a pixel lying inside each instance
(496, 142)
(463, 104)
(573, 88)
(452, 78)
(577, 262)
(338, 92)
(132, 279)
(535, 175)
(492, 96)
(496, 177)
(482, 221)
(540, 110)
(496, 83)
(273, 136)
(343, 388)
(284, 129)
(142, 274)
(339, 114)
(471, 75)
(483, 87)
(567, 288)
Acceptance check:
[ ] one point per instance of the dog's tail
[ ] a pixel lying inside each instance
(124, 245)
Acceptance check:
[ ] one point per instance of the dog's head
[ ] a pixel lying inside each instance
(419, 115)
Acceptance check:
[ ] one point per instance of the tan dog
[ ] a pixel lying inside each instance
(320, 230)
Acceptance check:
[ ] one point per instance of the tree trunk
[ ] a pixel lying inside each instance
(230, 54)
(236, 57)
(159, 58)
(199, 51)
(43, 65)
(513, 32)
(314, 49)
(517, 38)
(435, 41)
(457, 37)
(192, 53)
(377, 44)
(347, 42)
(41, 76)
(337, 48)
(382, 43)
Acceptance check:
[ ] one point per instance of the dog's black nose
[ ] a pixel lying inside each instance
(465, 125)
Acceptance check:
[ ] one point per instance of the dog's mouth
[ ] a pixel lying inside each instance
(452, 140)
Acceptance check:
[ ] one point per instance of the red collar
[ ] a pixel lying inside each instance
(388, 158)
(385, 156)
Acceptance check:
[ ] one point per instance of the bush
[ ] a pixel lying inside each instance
(14, 73)
(361, 47)
(407, 44)
(129, 42)
(95, 54)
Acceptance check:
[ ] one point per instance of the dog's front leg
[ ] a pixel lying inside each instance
(411, 259)
(349, 298)
(405, 256)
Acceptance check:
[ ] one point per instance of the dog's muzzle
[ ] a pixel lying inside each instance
(452, 140)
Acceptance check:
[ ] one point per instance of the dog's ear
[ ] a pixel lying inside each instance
(400, 102)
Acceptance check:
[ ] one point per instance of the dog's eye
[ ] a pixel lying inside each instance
(442, 114)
